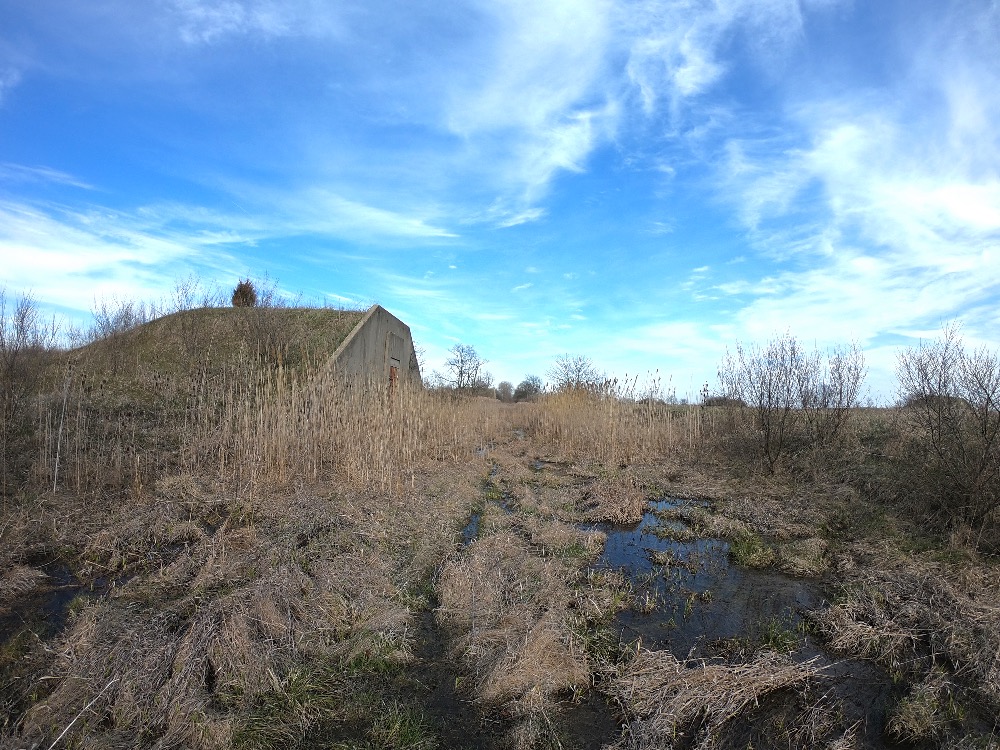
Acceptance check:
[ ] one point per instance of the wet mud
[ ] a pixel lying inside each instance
(45, 610)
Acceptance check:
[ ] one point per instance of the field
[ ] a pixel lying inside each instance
(218, 546)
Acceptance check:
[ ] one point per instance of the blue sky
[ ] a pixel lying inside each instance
(644, 183)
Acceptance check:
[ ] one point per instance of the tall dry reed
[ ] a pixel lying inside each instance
(613, 428)
(279, 424)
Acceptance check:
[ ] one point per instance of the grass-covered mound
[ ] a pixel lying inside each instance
(217, 337)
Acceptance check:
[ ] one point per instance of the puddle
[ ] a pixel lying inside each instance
(471, 530)
(45, 609)
(694, 602)
(695, 597)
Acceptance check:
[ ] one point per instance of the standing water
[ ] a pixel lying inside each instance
(693, 601)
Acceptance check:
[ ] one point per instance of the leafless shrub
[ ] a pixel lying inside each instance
(791, 391)
(829, 389)
(113, 317)
(951, 397)
(190, 292)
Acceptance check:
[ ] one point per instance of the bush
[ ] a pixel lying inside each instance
(794, 395)
(245, 295)
(951, 401)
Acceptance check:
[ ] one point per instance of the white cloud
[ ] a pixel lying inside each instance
(209, 21)
(9, 78)
(522, 287)
(18, 173)
(69, 259)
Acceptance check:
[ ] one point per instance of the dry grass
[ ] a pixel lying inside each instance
(509, 613)
(673, 704)
(913, 616)
(613, 429)
(229, 597)
(17, 581)
(617, 499)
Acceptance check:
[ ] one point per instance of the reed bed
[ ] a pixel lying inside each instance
(253, 424)
(363, 430)
(613, 429)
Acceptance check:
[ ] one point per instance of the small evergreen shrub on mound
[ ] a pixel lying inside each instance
(245, 295)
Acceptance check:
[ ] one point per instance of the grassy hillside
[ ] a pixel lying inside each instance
(216, 337)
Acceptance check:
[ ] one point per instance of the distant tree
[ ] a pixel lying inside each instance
(465, 368)
(573, 373)
(245, 295)
(505, 391)
(528, 389)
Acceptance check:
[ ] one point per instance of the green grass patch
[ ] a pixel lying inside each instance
(749, 550)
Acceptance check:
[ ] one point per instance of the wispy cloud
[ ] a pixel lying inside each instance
(18, 173)
(208, 21)
(677, 48)
(883, 211)
(9, 78)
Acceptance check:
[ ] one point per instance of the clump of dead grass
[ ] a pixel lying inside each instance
(17, 581)
(616, 499)
(509, 613)
(673, 704)
(914, 617)
(804, 557)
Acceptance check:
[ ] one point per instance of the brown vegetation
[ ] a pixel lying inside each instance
(264, 555)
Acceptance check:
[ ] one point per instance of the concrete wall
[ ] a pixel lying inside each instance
(379, 343)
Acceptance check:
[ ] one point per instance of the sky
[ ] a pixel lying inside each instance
(645, 183)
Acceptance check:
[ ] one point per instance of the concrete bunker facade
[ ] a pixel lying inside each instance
(379, 347)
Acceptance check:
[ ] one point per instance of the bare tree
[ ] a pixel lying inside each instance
(951, 398)
(573, 373)
(465, 368)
